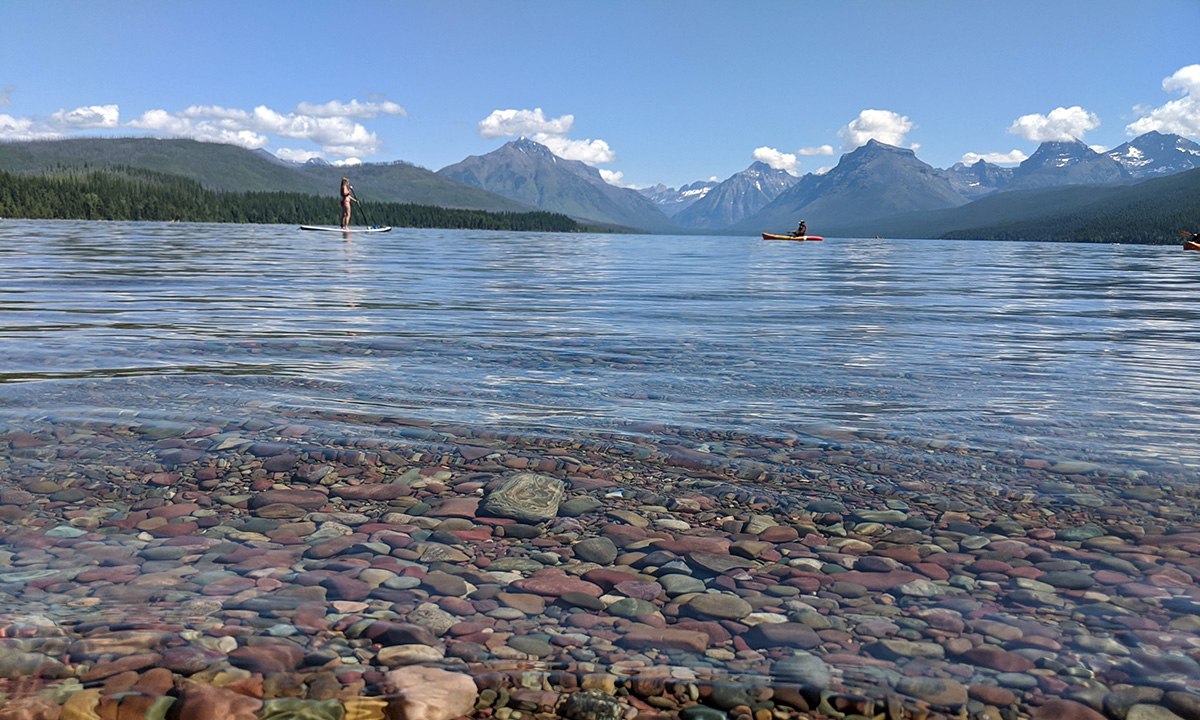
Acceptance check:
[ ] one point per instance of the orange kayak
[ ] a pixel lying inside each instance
(769, 236)
(1191, 245)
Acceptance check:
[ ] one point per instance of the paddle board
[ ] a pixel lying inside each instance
(334, 228)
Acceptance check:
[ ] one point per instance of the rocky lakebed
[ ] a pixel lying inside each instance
(386, 567)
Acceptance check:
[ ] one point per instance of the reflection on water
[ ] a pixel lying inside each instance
(958, 474)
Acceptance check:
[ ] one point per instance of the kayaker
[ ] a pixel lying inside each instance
(801, 231)
(347, 196)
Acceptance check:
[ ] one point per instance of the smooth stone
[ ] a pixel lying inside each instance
(1060, 709)
(579, 506)
(531, 645)
(944, 692)
(442, 583)
(599, 550)
(429, 693)
(631, 607)
(1146, 711)
(720, 605)
(675, 585)
(786, 635)
(1068, 580)
(640, 637)
(803, 668)
(398, 655)
(896, 648)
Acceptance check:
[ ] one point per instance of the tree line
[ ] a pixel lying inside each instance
(126, 193)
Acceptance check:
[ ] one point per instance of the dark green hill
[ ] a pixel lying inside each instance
(235, 169)
(1149, 212)
(216, 167)
(405, 183)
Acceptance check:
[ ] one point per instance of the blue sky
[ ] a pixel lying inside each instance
(648, 91)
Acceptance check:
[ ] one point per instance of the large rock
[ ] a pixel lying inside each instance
(428, 693)
(526, 497)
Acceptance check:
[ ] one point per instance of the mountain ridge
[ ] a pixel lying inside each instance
(528, 172)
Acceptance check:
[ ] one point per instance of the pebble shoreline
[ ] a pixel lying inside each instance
(393, 568)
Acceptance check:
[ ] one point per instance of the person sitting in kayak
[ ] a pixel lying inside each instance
(347, 196)
(801, 231)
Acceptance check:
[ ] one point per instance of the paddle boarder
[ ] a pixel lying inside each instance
(347, 197)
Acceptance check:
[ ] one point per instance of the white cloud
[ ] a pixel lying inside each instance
(228, 127)
(551, 132)
(585, 151)
(816, 150)
(354, 109)
(1009, 158)
(1182, 116)
(6, 94)
(776, 159)
(882, 125)
(523, 123)
(296, 155)
(83, 118)
(613, 178)
(12, 128)
(1062, 124)
(330, 127)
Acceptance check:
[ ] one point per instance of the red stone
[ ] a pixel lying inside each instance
(1059, 709)
(997, 659)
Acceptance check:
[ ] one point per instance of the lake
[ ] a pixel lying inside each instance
(608, 472)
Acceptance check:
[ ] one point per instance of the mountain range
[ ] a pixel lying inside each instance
(874, 189)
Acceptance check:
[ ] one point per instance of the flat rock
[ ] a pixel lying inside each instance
(429, 693)
(527, 497)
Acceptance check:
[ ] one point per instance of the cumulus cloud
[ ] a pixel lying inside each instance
(591, 152)
(551, 132)
(523, 123)
(882, 125)
(1182, 116)
(776, 159)
(1062, 124)
(816, 150)
(613, 178)
(84, 118)
(12, 128)
(1011, 157)
(331, 126)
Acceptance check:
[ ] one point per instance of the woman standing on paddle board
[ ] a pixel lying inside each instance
(347, 196)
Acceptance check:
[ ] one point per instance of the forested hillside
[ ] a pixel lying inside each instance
(123, 193)
(1152, 212)
(236, 169)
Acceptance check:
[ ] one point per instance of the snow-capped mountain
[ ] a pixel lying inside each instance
(1155, 155)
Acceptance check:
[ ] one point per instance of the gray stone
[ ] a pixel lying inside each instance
(676, 585)
(720, 605)
(804, 669)
(599, 550)
(631, 607)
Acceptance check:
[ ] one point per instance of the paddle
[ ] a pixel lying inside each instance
(360, 207)
(1185, 233)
